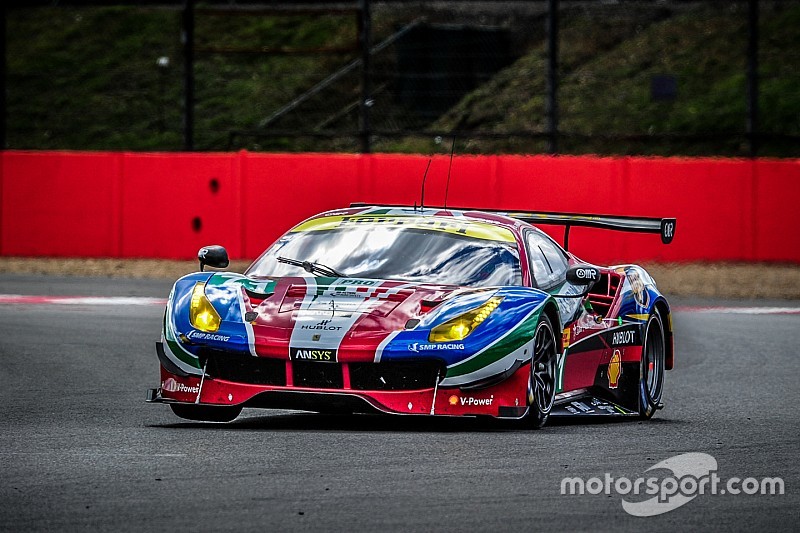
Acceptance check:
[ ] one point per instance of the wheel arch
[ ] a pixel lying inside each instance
(666, 318)
(551, 312)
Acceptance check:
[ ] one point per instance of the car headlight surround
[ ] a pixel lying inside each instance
(202, 314)
(457, 329)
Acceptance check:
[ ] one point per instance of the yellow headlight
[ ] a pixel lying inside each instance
(201, 313)
(458, 328)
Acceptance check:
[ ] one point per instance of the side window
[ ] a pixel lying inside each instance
(548, 263)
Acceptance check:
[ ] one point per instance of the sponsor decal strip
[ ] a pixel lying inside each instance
(469, 401)
(79, 300)
(303, 354)
(740, 310)
(171, 385)
(616, 335)
(459, 226)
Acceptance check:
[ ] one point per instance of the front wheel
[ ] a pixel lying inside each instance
(206, 413)
(542, 382)
(651, 374)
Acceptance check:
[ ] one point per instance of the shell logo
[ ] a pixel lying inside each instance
(453, 400)
(614, 370)
(170, 385)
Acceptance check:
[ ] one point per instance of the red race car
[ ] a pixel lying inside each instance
(430, 311)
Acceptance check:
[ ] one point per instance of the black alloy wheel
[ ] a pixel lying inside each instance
(542, 382)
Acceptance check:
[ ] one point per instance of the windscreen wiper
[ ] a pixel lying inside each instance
(313, 268)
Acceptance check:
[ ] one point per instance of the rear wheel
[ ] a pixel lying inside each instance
(651, 375)
(206, 413)
(542, 382)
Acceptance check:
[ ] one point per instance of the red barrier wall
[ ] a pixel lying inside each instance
(60, 205)
(175, 204)
(281, 190)
(776, 202)
(70, 204)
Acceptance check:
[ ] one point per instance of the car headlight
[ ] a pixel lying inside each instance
(458, 328)
(202, 314)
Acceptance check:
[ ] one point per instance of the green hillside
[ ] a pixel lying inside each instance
(88, 79)
(605, 86)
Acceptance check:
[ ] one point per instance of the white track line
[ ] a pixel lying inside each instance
(79, 300)
(740, 310)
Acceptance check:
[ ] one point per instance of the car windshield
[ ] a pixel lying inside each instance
(399, 252)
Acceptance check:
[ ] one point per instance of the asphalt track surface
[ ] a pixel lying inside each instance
(79, 448)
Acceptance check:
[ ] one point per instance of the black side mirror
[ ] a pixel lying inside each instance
(583, 275)
(214, 256)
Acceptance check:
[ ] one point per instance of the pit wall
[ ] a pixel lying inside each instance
(167, 205)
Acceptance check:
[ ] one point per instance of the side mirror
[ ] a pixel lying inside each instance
(583, 275)
(213, 256)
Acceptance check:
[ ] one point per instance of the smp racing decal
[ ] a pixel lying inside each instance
(315, 354)
(199, 335)
(417, 347)
(614, 370)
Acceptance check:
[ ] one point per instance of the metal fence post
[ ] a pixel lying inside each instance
(365, 23)
(551, 98)
(187, 38)
(752, 77)
(3, 81)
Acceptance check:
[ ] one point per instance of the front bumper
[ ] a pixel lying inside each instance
(337, 388)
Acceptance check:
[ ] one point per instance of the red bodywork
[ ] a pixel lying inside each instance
(449, 401)
(508, 398)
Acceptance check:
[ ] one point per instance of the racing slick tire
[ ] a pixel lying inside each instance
(651, 374)
(542, 381)
(206, 413)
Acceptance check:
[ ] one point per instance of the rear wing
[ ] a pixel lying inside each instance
(662, 226)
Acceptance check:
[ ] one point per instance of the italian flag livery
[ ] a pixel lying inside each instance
(407, 311)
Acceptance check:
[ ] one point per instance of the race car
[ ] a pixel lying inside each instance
(419, 311)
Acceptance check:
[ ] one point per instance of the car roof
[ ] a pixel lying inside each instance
(513, 224)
